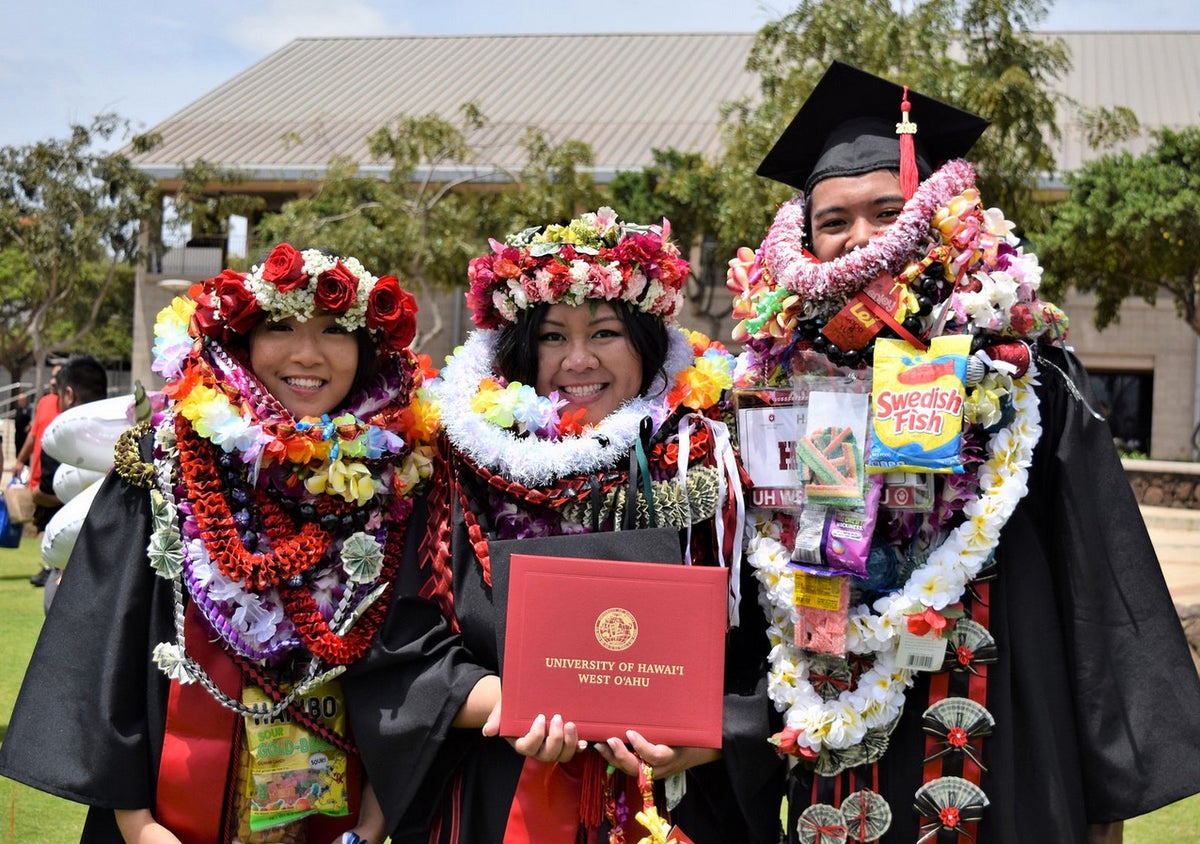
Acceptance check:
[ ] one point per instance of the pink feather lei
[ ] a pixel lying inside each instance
(793, 267)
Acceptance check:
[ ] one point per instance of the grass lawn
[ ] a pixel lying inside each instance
(29, 815)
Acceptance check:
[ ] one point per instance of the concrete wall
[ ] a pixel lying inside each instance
(1147, 338)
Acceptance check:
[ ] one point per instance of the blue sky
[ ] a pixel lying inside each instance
(62, 61)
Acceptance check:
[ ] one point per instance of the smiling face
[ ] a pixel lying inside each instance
(585, 354)
(847, 210)
(308, 366)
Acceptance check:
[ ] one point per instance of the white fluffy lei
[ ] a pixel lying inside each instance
(876, 702)
(531, 461)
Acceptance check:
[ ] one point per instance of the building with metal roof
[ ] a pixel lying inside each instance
(284, 119)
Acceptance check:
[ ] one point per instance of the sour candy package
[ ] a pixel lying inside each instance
(917, 401)
(832, 448)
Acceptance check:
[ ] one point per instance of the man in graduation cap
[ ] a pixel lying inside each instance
(972, 639)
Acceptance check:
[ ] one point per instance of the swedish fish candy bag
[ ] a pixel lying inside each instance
(917, 401)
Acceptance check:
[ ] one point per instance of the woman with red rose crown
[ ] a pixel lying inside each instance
(574, 363)
(243, 555)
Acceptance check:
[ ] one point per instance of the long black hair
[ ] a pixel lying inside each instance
(517, 345)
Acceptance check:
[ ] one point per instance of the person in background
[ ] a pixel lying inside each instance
(30, 455)
(1005, 664)
(242, 552)
(22, 417)
(80, 380)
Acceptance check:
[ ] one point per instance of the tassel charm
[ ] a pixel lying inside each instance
(909, 178)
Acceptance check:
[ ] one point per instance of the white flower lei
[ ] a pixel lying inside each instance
(877, 700)
(531, 461)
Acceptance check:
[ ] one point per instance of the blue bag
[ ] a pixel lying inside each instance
(10, 532)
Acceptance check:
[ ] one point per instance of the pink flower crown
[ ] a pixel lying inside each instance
(301, 284)
(595, 256)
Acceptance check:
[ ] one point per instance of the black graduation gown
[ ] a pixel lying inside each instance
(732, 800)
(1095, 696)
(89, 720)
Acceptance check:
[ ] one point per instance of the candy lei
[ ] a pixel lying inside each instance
(875, 702)
(530, 460)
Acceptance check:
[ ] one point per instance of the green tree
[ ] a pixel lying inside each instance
(680, 186)
(439, 203)
(69, 217)
(1129, 227)
(977, 54)
(16, 350)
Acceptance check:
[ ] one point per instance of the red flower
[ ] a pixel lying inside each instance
(672, 271)
(392, 310)
(1021, 319)
(284, 268)
(225, 306)
(939, 622)
(571, 422)
(638, 249)
(505, 268)
(785, 742)
(428, 370)
(337, 289)
(921, 623)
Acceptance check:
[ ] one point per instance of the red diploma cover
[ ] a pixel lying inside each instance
(614, 646)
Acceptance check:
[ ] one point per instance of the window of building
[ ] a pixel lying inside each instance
(1126, 400)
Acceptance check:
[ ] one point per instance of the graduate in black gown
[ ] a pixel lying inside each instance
(541, 410)
(243, 552)
(1067, 699)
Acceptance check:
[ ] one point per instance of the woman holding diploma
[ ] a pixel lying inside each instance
(575, 362)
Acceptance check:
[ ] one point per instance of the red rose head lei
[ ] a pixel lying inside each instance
(300, 284)
(595, 256)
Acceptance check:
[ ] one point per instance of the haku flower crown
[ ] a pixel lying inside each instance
(595, 256)
(301, 284)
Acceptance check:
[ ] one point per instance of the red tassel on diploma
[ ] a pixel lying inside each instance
(909, 178)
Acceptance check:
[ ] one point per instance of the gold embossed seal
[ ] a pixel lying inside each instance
(616, 629)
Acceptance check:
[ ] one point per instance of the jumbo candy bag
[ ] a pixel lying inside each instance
(917, 401)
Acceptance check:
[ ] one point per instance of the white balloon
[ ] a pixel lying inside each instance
(63, 528)
(70, 480)
(84, 435)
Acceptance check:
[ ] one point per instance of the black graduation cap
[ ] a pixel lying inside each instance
(847, 127)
